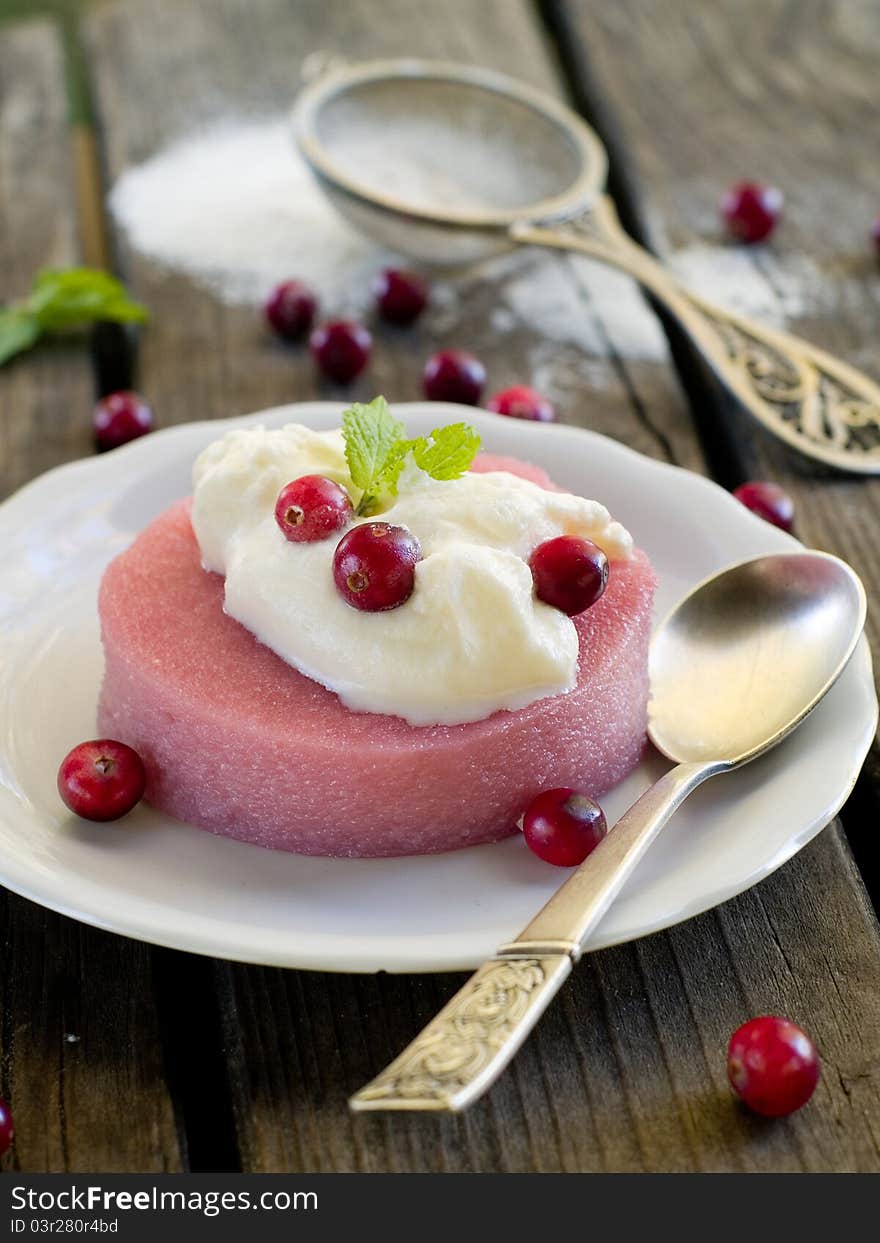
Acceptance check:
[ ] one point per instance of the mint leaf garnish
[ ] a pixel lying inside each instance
(65, 298)
(376, 450)
(371, 434)
(449, 452)
(18, 331)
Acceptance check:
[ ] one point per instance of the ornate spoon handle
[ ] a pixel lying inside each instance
(812, 400)
(466, 1047)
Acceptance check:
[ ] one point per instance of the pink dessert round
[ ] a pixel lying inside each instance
(237, 742)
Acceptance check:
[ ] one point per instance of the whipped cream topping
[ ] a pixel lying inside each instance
(472, 638)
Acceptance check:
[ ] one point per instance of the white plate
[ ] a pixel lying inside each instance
(157, 880)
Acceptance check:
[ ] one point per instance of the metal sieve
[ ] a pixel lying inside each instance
(452, 164)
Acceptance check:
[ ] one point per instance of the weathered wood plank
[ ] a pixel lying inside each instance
(627, 1071)
(790, 104)
(785, 93)
(79, 1050)
(44, 398)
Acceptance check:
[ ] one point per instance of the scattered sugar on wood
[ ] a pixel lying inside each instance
(235, 207)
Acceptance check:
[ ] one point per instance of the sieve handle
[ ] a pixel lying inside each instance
(818, 404)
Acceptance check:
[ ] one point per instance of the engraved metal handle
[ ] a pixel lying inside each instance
(820, 405)
(470, 1042)
(465, 1048)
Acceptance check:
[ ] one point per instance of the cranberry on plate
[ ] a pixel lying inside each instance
(119, 418)
(101, 779)
(454, 375)
(563, 826)
(341, 349)
(290, 309)
(772, 1066)
(522, 402)
(569, 573)
(751, 210)
(311, 508)
(401, 296)
(374, 566)
(768, 501)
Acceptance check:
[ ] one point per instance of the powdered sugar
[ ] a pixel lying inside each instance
(588, 305)
(752, 282)
(237, 209)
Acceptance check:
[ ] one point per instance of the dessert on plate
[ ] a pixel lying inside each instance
(341, 645)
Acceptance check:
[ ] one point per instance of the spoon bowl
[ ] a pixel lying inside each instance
(749, 652)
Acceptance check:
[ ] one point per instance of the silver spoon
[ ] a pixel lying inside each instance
(734, 668)
(453, 163)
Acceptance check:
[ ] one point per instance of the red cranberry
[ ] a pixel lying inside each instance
(454, 375)
(751, 210)
(119, 418)
(341, 349)
(772, 1065)
(290, 309)
(374, 566)
(522, 402)
(7, 1130)
(400, 296)
(102, 779)
(768, 501)
(563, 826)
(311, 508)
(569, 573)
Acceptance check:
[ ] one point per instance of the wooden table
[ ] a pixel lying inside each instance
(120, 1056)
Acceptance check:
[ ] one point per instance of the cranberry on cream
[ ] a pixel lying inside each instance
(472, 638)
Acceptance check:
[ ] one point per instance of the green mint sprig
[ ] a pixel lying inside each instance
(376, 449)
(64, 298)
